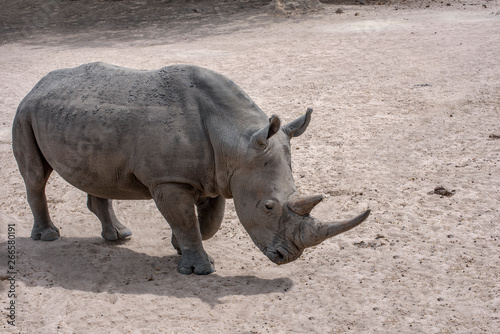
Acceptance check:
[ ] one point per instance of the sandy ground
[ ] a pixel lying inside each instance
(406, 98)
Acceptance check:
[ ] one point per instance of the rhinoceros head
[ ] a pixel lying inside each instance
(268, 205)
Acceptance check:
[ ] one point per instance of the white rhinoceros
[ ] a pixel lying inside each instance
(184, 136)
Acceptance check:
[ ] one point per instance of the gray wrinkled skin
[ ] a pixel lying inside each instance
(184, 136)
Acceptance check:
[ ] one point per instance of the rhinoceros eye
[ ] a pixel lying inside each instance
(269, 205)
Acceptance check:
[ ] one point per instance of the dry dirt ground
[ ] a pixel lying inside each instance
(406, 98)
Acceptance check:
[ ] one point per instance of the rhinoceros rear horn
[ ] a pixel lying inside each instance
(302, 205)
(259, 138)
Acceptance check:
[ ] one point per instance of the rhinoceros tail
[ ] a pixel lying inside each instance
(30, 160)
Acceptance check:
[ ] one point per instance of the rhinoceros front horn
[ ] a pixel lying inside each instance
(313, 232)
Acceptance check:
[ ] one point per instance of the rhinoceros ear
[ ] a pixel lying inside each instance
(297, 127)
(259, 138)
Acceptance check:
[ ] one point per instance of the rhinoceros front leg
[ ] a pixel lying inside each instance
(112, 229)
(176, 203)
(210, 215)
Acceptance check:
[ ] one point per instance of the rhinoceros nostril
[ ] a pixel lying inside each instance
(280, 257)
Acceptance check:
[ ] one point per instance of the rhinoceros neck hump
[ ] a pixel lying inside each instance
(229, 117)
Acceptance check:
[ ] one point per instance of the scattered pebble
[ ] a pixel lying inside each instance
(372, 244)
(361, 244)
(440, 190)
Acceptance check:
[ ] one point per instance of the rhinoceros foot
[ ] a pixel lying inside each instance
(196, 262)
(112, 229)
(50, 233)
(116, 232)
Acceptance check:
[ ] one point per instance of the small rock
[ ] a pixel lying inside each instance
(372, 244)
(339, 11)
(440, 190)
(361, 244)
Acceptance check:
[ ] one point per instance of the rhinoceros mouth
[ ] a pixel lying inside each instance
(280, 255)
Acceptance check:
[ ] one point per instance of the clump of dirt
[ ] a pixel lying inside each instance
(442, 191)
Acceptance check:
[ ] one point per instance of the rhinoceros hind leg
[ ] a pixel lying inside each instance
(35, 171)
(43, 228)
(176, 203)
(112, 229)
(210, 215)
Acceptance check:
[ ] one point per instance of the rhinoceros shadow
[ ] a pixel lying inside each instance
(95, 265)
